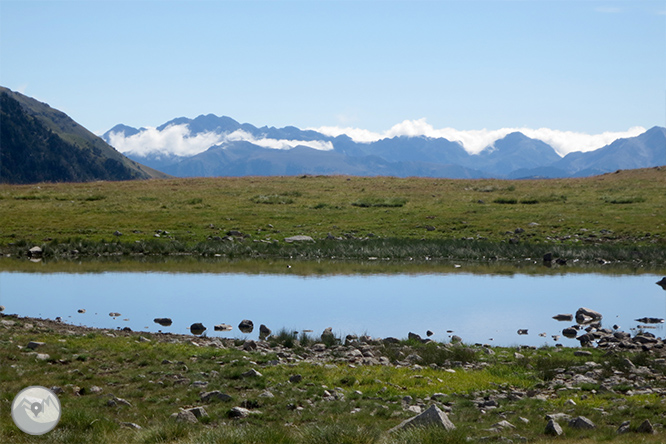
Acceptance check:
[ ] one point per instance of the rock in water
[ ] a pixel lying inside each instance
(197, 328)
(585, 315)
(223, 327)
(662, 283)
(563, 317)
(246, 326)
(165, 322)
(433, 416)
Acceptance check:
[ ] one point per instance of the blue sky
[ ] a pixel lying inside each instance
(582, 66)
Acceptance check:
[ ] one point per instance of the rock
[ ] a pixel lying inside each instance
(2, 308)
(114, 314)
(563, 317)
(548, 258)
(433, 416)
(81, 310)
(429, 333)
(503, 425)
(414, 337)
(264, 332)
(624, 427)
(35, 252)
(645, 427)
(215, 395)
(298, 238)
(560, 261)
(43, 357)
(295, 379)
(197, 328)
(223, 327)
(185, 416)
(252, 373)
(267, 394)
(585, 315)
(239, 412)
(581, 422)
(553, 428)
(455, 339)
(198, 412)
(246, 326)
(164, 322)
(95, 390)
(130, 425)
(35, 344)
(522, 331)
(249, 345)
(143, 339)
(121, 401)
(582, 353)
(117, 233)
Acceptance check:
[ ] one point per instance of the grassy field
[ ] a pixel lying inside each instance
(334, 402)
(624, 210)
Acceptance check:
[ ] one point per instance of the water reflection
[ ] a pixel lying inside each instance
(479, 308)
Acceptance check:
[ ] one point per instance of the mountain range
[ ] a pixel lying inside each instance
(243, 149)
(42, 144)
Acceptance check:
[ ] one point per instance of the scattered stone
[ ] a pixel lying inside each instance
(650, 320)
(548, 258)
(624, 427)
(35, 252)
(504, 424)
(164, 322)
(239, 412)
(114, 314)
(267, 394)
(35, 344)
(298, 238)
(570, 332)
(295, 379)
(433, 416)
(581, 422)
(198, 412)
(582, 353)
(553, 428)
(252, 373)
(429, 333)
(327, 335)
(130, 425)
(81, 310)
(215, 395)
(645, 427)
(455, 339)
(522, 331)
(119, 401)
(117, 233)
(246, 326)
(95, 390)
(264, 332)
(414, 337)
(2, 308)
(563, 317)
(223, 327)
(197, 328)
(143, 339)
(43, 357)
(185, 416)
(249, 345)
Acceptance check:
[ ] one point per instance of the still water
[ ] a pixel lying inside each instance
(480, 308)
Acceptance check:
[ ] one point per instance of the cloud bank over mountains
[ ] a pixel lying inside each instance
(178, 139)
(474, 141)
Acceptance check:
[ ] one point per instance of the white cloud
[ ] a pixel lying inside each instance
(177, 139)
(474, 141)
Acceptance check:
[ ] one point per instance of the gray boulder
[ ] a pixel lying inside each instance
(662, 283)
(563, 317)
(553, 428)
(645, 427)
(264, 332)
(433, 416)
(215, 395)
(298, 238)
(246, 326)
(35, 252)
(2, 308)
(624, 427)
(581, 422)
(223, 327)
(239, 412)
(185, 416)
(198, 412)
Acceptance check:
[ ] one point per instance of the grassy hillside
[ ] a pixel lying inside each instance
(40, 143)
(625, 210)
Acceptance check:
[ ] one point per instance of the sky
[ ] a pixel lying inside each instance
(575, 68)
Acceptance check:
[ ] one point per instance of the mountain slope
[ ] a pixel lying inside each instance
(514, 152)
(40, 143)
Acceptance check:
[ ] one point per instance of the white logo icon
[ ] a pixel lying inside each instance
(36, 410)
